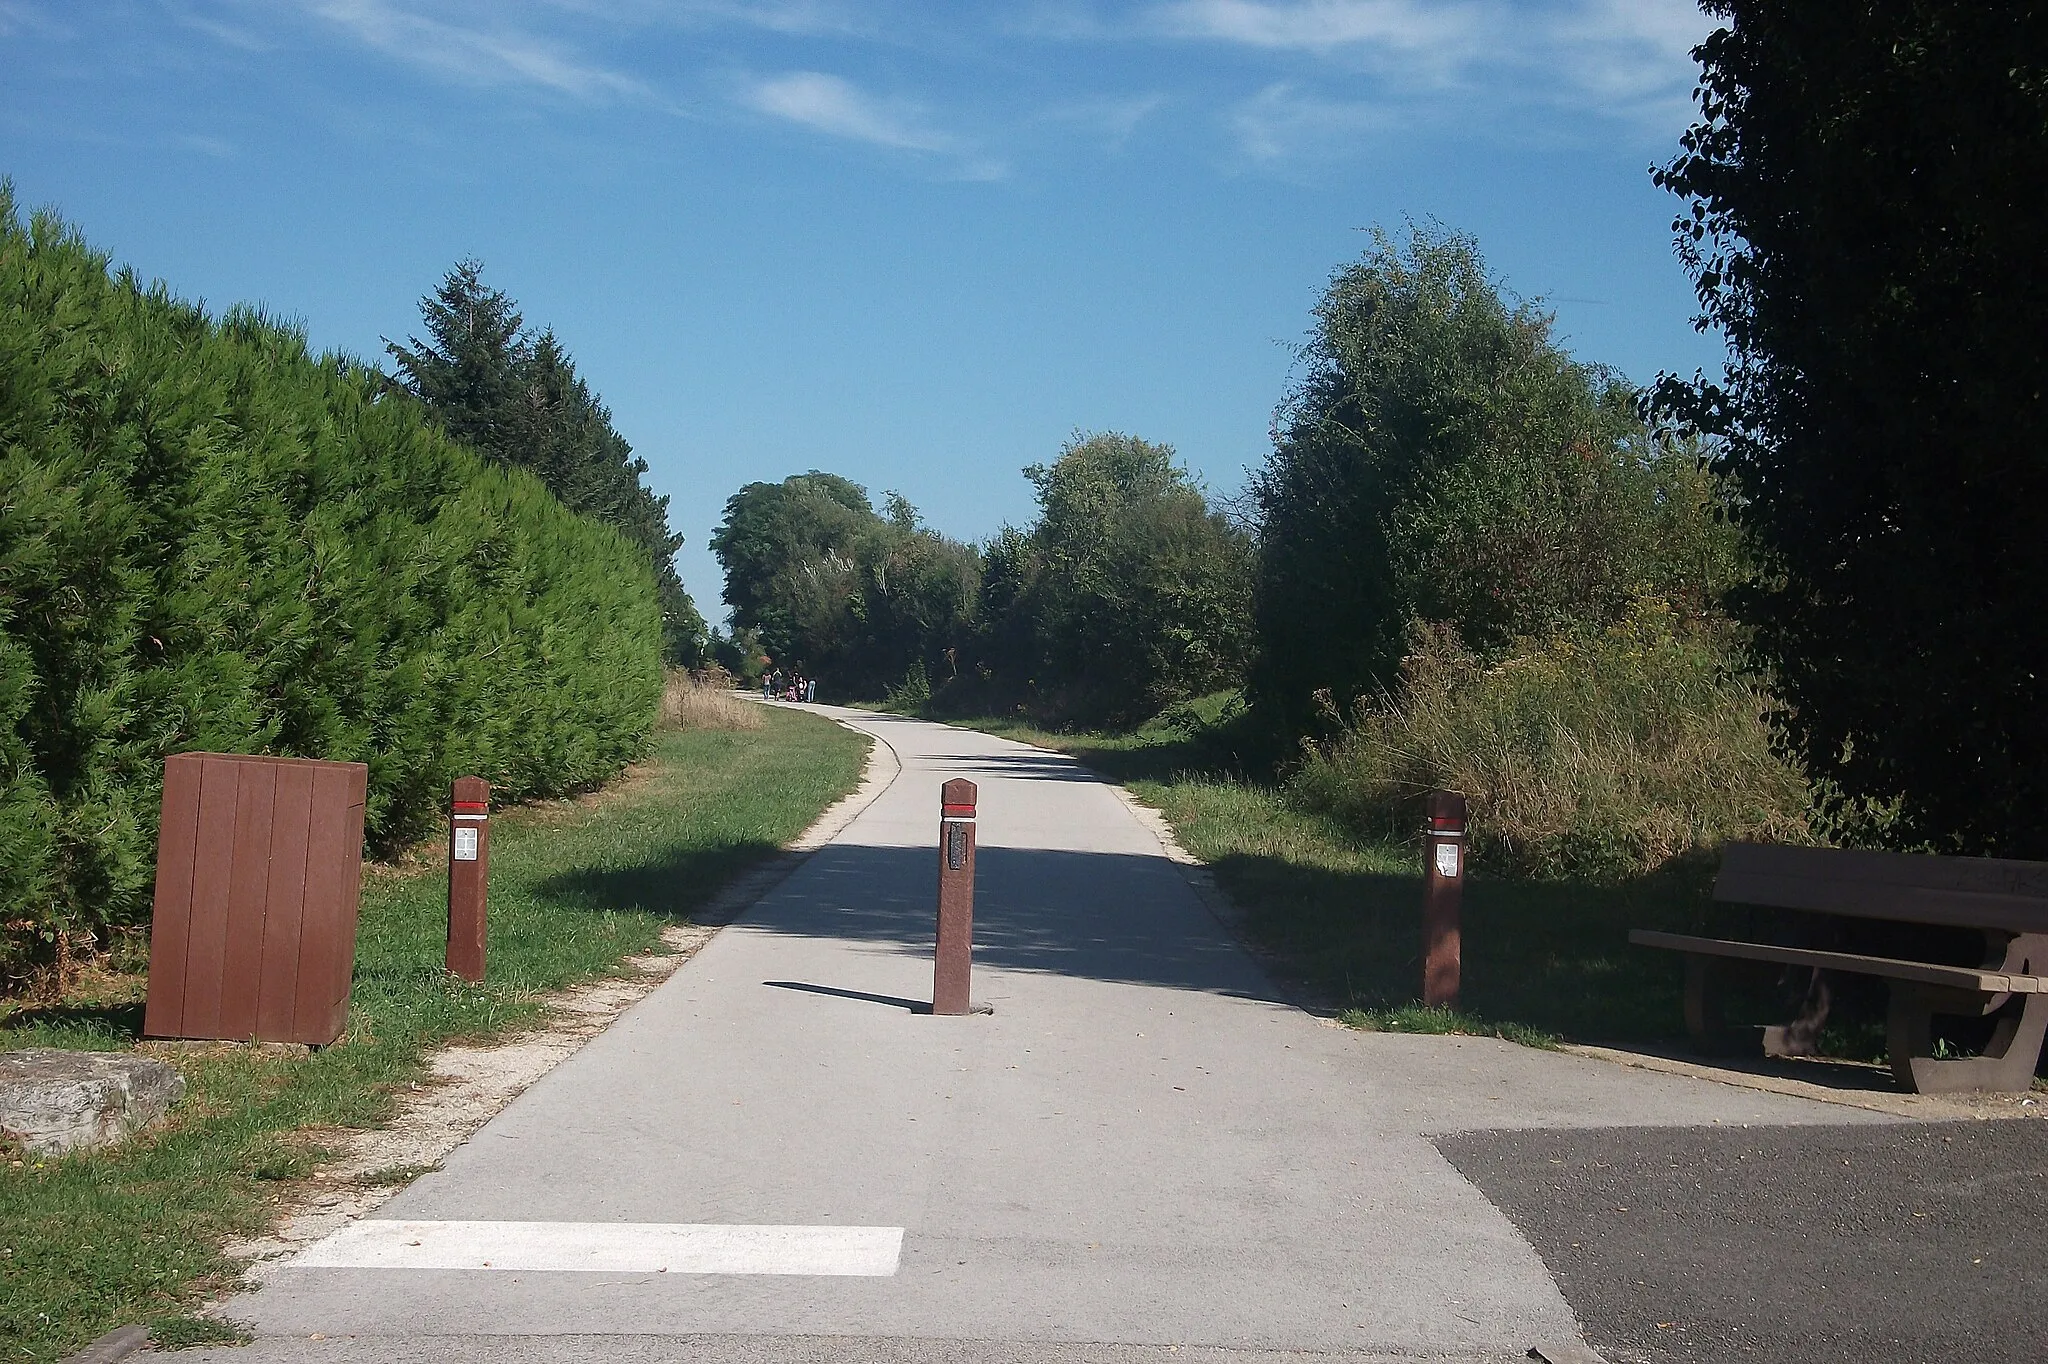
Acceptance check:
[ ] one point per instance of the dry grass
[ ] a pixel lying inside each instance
(694, 701)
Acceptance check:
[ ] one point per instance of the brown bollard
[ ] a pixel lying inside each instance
(1443, 887)
(954, 962)
(469, 862)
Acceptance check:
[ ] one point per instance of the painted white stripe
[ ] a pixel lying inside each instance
(611, 1247)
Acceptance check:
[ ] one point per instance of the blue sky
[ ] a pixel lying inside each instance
(918, 244)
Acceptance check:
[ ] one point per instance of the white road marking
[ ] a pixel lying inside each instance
(610, 1247)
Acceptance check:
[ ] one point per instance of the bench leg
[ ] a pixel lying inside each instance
(1703, 1021)
(2008, 1062)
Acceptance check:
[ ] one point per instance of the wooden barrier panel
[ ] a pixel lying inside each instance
(259, 868)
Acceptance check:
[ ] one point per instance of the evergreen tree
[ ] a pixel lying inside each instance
(467, 375)
(515, 397)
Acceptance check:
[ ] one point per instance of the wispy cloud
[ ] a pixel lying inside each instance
(219, 148)
(838, 108)
(1113, 120)
(228, 35)
(794, 17)
(19, 17)
(1284, 122)
(1355, 68)
(1405, 26)
(480, 56)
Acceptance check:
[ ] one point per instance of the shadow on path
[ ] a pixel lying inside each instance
(916, 1006)
(1105, 916)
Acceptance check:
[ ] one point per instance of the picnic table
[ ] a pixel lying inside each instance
(2005, 901)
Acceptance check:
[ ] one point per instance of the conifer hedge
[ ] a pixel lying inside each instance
(211, 538)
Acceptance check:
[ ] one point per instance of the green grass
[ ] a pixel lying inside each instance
(97, 1240)
(1543, 959)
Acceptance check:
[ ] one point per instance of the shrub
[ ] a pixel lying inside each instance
(1597, 756)
(211, 538)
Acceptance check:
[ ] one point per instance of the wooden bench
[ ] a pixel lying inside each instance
(2005, 901)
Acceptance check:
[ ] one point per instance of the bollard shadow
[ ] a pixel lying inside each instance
(1118, 917)
(916, 1006)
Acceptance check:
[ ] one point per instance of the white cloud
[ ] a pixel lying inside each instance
(496, 56)
(838, 108)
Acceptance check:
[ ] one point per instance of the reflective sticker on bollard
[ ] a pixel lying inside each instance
(1447, 859)
(465, 844)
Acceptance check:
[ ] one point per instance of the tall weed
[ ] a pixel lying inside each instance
(704, 700)
(1600, 756)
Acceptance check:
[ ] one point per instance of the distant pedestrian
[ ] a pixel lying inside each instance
(811, 689)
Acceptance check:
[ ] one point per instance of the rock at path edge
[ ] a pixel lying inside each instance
(55, 1101)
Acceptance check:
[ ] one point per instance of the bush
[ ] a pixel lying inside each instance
(1598, 757)
(211, 538)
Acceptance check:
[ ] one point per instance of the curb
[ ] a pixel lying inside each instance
(116, 1344)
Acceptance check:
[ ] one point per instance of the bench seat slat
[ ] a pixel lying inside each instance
(1926, 973)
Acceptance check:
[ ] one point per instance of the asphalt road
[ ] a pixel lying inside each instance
(1909, 1244)
(1145, 1152)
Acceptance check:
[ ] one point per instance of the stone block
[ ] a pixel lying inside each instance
(55, 1101)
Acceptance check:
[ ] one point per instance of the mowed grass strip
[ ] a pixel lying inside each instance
(97, 1240)
(1543, 960)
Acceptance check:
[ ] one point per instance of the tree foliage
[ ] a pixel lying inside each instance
(1444, 460)
(1863, 227)
(514, 396)
(849, 596)
(1127, 595)
(211, 538)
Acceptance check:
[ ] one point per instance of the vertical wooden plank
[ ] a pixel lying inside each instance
(248, 897)
(213, 864)
(290, 828)
(349, 851)
(170, 919)
(327, 932)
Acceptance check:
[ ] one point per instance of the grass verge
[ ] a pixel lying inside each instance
(92, 1241)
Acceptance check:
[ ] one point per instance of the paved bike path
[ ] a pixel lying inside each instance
(1143, 1147)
